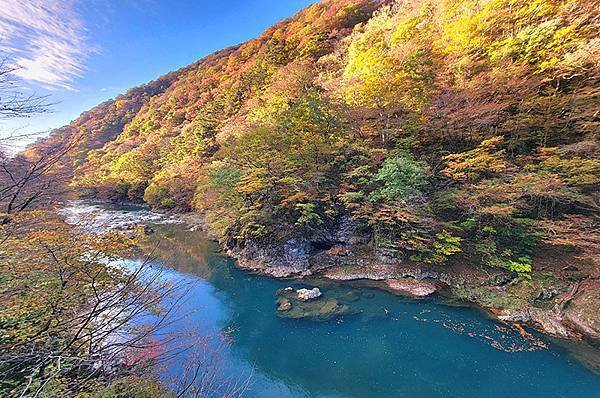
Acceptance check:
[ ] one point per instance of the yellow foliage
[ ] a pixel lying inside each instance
(575, 170)
(486, 159)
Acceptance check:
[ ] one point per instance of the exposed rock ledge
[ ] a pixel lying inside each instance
(546, 320)
(411, 287)
(489, 289)
(290, 258)
(572, 317)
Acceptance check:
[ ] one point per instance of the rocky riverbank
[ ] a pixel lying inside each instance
(561, 304)
(562, 299)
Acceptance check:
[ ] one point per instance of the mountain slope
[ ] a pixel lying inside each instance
(427, 132)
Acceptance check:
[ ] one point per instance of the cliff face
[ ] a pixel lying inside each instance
(431, 134)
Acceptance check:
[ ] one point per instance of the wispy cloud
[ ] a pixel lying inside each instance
(105, 89)
(45, 39)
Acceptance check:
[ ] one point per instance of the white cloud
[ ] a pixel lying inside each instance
(46, 39)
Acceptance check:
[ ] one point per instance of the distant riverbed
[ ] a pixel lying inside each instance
(385, 346)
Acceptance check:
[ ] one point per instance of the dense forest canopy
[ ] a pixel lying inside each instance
(441, 126)
(452, 134)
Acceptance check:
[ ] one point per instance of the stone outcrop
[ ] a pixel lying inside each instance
(308, 303)
(278, 260)
(308, 294)
(411, 287)
(338, 252)
(575, 320)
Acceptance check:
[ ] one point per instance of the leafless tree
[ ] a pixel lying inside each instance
(98, 321)
(28, 180)
(16, 104)
(13, 102)
(114, 333)
(23, 179)
(202, 374)
(123, 326)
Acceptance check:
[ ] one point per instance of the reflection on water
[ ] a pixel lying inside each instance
(386, 347)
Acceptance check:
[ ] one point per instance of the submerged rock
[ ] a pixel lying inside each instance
(303, 304)
(284, 305)
(354, 295)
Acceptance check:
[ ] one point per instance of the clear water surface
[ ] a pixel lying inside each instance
(388, 346)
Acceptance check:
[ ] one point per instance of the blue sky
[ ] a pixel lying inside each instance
(82, 52)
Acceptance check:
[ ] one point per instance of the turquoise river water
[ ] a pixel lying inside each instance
(388, 346)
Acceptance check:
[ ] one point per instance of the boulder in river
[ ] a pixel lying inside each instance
(308, 294)
(297, 304)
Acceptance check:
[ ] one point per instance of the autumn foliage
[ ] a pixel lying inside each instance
(442, 126)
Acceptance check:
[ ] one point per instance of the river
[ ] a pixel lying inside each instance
(386, 346)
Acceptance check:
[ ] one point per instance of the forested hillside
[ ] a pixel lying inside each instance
(442, 128)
